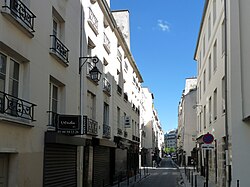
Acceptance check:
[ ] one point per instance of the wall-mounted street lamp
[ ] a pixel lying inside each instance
(94, 73)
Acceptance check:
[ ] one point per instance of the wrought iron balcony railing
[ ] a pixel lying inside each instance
(106, 131)
(106, 85)
(93, 22)
(59, 49)
(119, 131)
(125, 134)
(16, 107)
(106, 43)
(135, 138)
(119, 55)
(90, 126)
(20, 12)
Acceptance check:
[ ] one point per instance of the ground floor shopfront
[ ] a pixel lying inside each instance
(101, 162)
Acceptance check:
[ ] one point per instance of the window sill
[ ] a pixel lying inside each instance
(19, 25)
(15, 120)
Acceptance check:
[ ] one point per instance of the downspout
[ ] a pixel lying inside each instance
(228, 166)
(81, 148)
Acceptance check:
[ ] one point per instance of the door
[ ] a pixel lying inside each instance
(3, 170)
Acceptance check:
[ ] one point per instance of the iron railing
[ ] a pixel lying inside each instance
(16, 107)
(20, 12)
(125, 134)
(119, 131)
(90, 126)
(59, 49)
(106, 85)
(106, 131)
(119, 55)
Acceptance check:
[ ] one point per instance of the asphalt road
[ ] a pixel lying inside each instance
(167, 175)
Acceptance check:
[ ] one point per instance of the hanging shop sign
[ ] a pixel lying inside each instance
(69, 124)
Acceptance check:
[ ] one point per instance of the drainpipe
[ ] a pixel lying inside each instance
(228, 166)
(81, 148)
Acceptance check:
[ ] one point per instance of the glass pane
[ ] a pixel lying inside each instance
(14, 70)
(54, 106)
(2, 82)
(2, 64)
(54, 28)
(13, 88)
(55, 91)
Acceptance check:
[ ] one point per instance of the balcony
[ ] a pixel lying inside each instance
(106, 131)
(119, 90)
(20, 15)
(106, 86)
(59, 50)
(93, 22)
(90, 126)
(16, 107)
(135, 138)
(106, 43)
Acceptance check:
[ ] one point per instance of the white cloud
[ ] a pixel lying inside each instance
(163, 25)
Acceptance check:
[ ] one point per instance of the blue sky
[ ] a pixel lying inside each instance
(163, 40)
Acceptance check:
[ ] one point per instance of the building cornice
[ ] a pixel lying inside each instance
(201, 26)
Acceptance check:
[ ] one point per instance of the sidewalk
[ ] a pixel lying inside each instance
(135, 179)
(193, 179)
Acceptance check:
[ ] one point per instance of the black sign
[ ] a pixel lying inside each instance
(69, 124)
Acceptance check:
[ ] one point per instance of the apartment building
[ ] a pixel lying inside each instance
(152, 138)
(186, 138)
(210, 56)
(171, 139)
(69, 98)
(223, 61)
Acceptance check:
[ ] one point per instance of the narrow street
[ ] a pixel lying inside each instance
(167, 175)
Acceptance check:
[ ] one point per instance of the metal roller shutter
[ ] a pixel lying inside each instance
(101, 163)
(60, 165)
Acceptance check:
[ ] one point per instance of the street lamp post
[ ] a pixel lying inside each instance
(94, 74)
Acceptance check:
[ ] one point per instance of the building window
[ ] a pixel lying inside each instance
(105, 114)
(210, 110)
(204, 81)
(9, 83)
(55, 98)
(9, 75)
(223, 95)
(204, 117)
(215, 55)
(209, 67)
(223, 29)
(204, 45)
(118, 117)
(200, 89)
(58, 48)
(215, 104)
(91, 105)
(214, 11)
(200, 121)
(209, 26)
